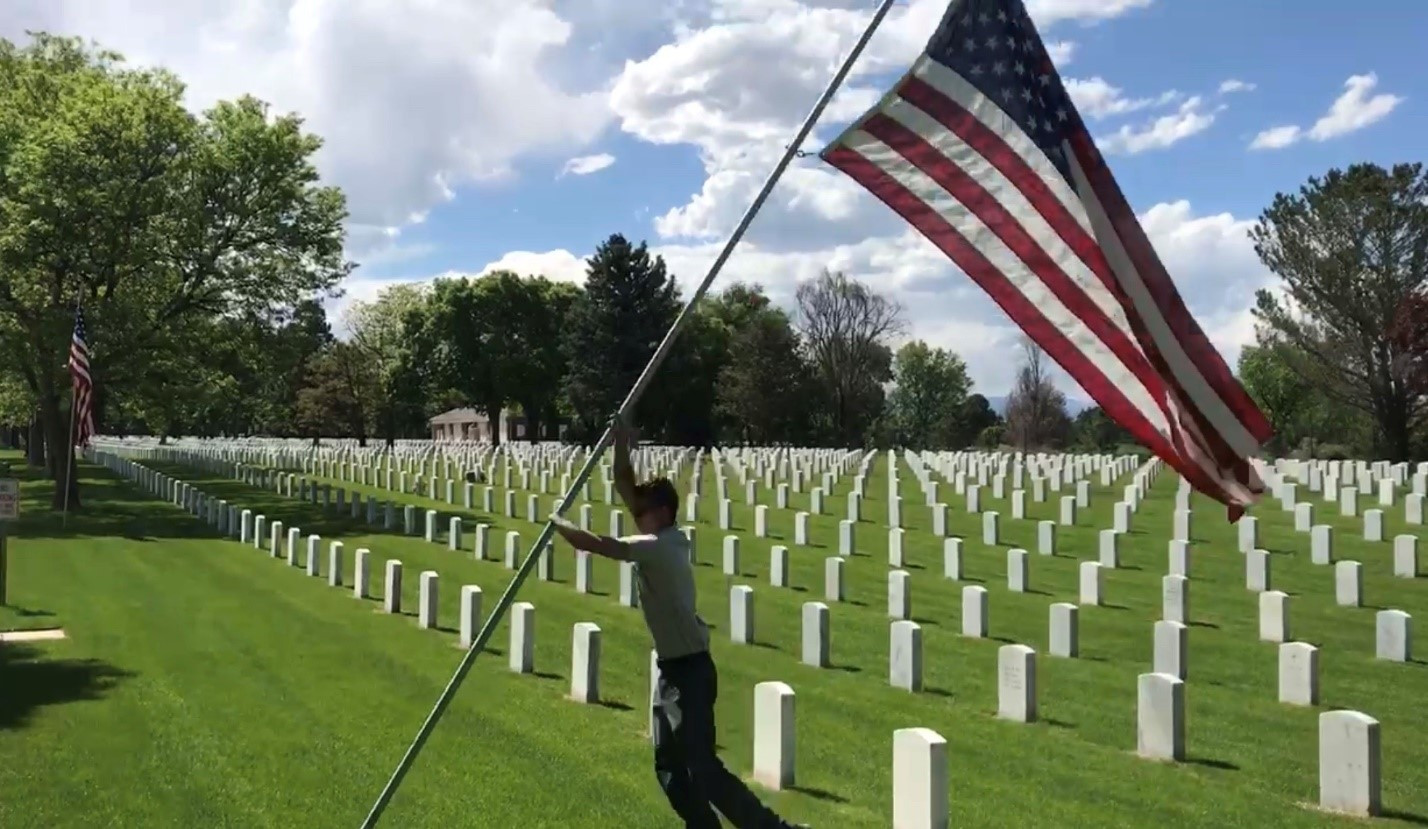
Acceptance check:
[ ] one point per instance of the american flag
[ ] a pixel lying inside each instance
(980, 148)
(83, 384)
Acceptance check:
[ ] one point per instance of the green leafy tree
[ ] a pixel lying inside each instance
(1349, 249)
(336, 397)
(459, 341)
(1092, 430)
(702, 354)
(927, 402)
(764, 387)
(1301, 416)
(532, 316)
(630, 303)
(846, 326)
(112, 194)
(379, 329)
(977, 416)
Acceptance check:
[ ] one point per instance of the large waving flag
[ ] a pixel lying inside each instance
(980, 148)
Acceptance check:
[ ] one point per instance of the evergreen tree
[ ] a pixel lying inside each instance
(629, 304)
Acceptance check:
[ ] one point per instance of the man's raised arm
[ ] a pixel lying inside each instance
(624, 472)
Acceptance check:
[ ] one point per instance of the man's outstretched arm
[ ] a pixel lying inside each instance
(600, 545)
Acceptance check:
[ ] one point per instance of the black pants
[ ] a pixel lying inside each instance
(688, 768)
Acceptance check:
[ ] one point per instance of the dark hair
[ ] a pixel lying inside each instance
(657, 493)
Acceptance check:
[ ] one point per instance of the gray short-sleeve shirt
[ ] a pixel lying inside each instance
(668, 597)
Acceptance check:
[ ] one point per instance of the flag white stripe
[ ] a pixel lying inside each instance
(1216, 413)
(956, 88)
(994, 181)
(1017, 274)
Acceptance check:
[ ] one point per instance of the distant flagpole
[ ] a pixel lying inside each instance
(507, 598)
(73, 407)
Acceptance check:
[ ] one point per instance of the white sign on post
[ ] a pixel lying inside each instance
(9, 499)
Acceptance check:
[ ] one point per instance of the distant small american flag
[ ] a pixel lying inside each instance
(83, 383)
(980, 148)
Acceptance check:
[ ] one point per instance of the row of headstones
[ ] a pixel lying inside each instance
(1348, 576)
(1349, 498)
(1325, 478)
(939, 510)
(973, 490)
(1058, 469)
(532, 505)
(653, 457)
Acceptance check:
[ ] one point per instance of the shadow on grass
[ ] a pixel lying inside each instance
(30, 681)
(1406, 817)
(1212, 764)
(108, 508)
(614, 705)
(819, 794)
(847, 669)
(1055, 723)
(1109, 606)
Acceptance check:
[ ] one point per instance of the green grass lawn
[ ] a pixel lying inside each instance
(206, 684)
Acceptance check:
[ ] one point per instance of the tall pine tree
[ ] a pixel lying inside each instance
(630, 302)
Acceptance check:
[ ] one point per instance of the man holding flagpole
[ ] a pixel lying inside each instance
(688, 768)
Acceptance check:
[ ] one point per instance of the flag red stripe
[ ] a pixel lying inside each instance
(991, 146)
(975, 265)
(1158, 283)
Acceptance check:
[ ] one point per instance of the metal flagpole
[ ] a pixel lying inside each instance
(508, 597)
(69, 462)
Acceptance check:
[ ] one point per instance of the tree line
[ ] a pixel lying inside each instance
(743, 370)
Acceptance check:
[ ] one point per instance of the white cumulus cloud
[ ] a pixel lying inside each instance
(1235, 85)
(1356, 107)
(1191, 118)
(586, 164)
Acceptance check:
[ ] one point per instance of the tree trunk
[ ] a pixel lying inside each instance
(493, 416)
(59, 449)
(35, 443)
(533, 424)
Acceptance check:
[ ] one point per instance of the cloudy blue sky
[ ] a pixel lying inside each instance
(473, 134)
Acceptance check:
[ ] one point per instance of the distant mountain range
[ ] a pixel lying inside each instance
(1073, 405)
